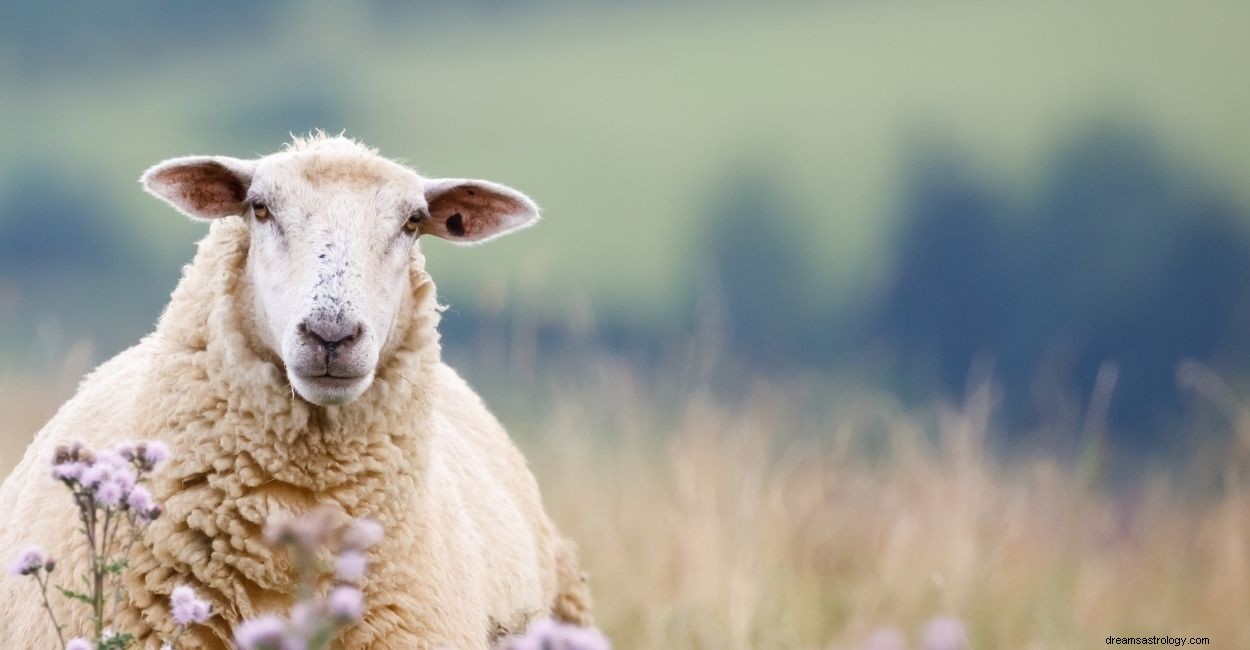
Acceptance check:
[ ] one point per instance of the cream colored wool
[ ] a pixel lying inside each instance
(469, 552)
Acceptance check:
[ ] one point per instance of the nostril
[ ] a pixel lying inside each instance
(331, 335)
(308, 333)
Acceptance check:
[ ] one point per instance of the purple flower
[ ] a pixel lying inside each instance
(111, 459)
(182, 594)
(110, 493)
(153, 453)
(68, 471)
(584, 638)
(546, 633)
(140, 500)
(28, 561)
(542, 628)
(94, 474)
(67, 453)
(267, 632)
(125, 479)
(187, 607)
(79, 644)
(109, 467)
(944, 633)
(350, 566)
(347, 603)
(126, 450)
(362, 534)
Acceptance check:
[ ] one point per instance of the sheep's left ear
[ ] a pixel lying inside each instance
(201, 187)
(471, 211)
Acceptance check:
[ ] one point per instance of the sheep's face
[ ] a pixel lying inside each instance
(333, 226)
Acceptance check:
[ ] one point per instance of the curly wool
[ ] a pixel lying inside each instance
(469, 553)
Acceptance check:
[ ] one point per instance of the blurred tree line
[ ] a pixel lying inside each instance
(1120, 259)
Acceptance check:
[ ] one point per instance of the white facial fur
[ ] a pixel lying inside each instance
(332, 227)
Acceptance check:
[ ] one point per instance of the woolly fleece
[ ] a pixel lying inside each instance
(469, 553)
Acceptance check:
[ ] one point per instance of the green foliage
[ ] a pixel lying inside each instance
(76, 595)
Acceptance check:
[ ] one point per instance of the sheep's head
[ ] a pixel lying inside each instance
(332, 228)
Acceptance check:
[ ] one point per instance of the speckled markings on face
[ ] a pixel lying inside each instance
(332, 298)
(332, 224)
(328, 289)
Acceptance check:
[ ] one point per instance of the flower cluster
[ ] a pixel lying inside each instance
(186, 607)
(30, 561)
(546, 634)
(315, 620)
(113, 507)
(110, 478)
(107, 488)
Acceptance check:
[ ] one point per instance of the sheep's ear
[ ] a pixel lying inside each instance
(471, 211)
(201, 187)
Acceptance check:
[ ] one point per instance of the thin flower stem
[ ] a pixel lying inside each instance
(117, 584)
(86, 513)
(101, 571)
(87, 509)
(43, 591)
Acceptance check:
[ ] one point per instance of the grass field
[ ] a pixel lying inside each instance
(729, 525)
(709, 522)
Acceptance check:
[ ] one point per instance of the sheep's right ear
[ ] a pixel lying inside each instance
(201, 187)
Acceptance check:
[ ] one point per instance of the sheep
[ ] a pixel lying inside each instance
(298, 365)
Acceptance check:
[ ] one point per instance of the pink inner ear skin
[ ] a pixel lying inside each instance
(472, 213)
(206, 188)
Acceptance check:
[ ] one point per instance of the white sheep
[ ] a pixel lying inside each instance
(298, 364)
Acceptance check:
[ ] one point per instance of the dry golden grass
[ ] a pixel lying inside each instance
(741, 526)
(706, 523)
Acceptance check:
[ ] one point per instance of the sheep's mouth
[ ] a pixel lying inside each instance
(330, 375)
(330, 390)
(333, 380)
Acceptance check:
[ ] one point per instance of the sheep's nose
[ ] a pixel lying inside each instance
(331, 335)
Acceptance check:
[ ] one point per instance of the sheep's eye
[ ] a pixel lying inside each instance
(413, 222)
(261, 211)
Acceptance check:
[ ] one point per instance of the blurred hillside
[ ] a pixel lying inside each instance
(919, 193)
